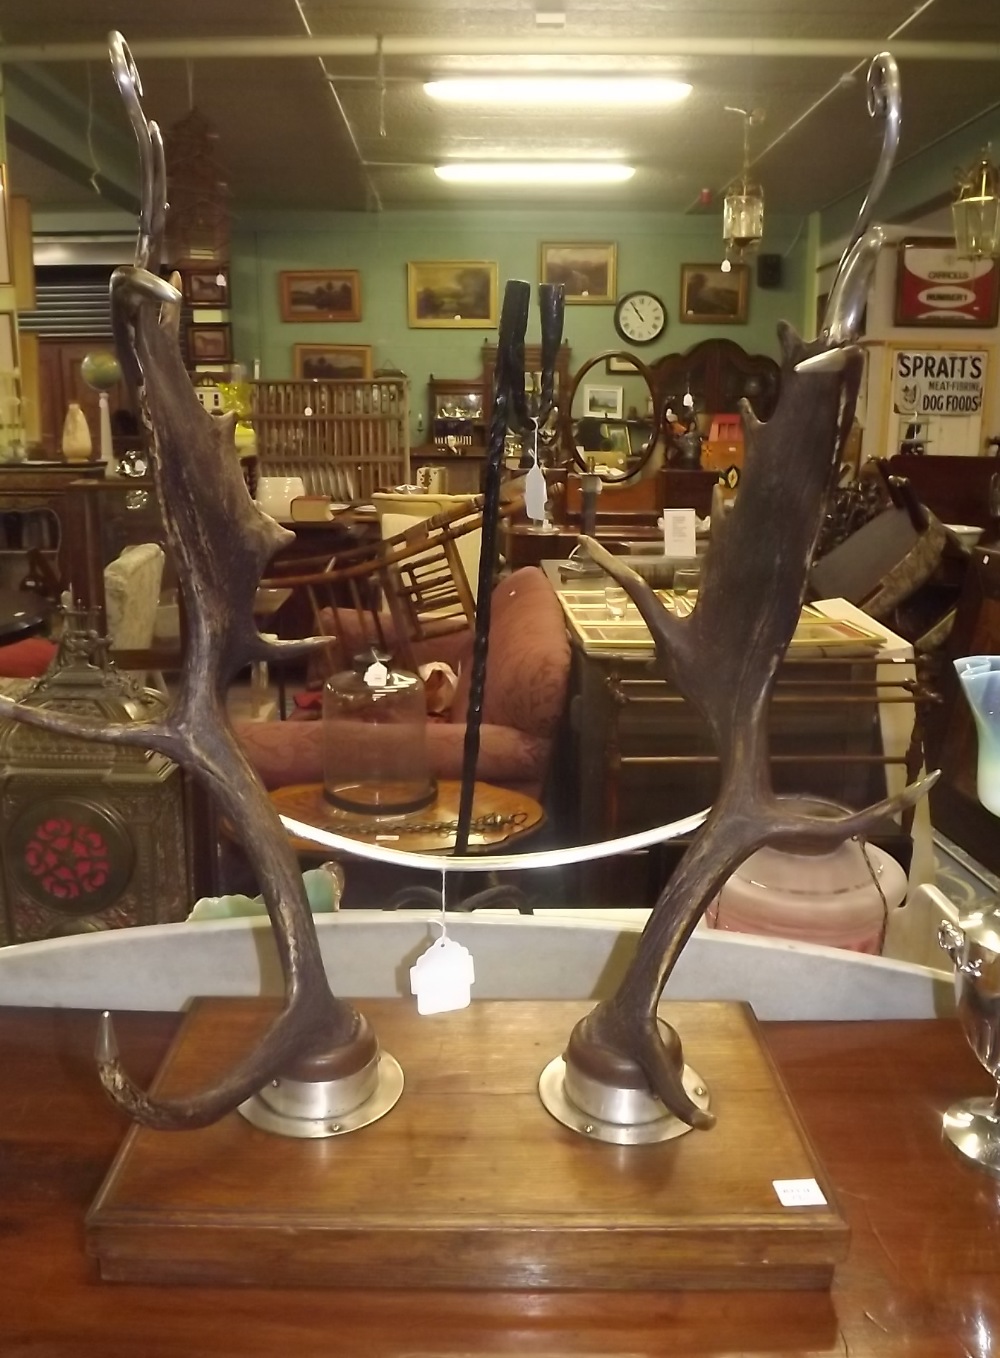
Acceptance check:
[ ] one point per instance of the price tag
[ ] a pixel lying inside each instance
(799, 1192)
(678, 532)
(442, 977)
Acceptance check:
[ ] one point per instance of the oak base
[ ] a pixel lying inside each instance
(468, 1182)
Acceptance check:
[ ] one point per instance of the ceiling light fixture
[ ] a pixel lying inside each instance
(541, 172)
(743, 209)
(975, 212)
(599, 92)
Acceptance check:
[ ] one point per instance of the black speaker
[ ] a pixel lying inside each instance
(769, 271)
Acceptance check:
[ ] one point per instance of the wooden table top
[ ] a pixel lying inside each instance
(430, 830)
(922, 1278)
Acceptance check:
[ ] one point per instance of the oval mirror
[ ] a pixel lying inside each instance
(610, 423)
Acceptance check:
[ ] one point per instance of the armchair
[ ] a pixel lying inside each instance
(526, 680)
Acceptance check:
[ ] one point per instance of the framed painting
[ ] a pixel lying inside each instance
(320, 295)
(451, 294)
(711, 297)
(210, 343)
(934, 287)
(603, 402)
(586, 271)
(206, 287)
(332, 362)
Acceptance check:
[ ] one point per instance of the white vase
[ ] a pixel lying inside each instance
(76, 444)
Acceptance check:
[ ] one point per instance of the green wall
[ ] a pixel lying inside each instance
(651, 248)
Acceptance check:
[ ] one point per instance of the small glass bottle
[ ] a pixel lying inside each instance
(375, 758)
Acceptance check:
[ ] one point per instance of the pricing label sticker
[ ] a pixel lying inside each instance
(799, 1192)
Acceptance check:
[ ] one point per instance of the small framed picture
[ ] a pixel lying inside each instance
(451, 294)
(210, 343)
(586, 271)
(711, 297)
(603, 402)
(320, 295)
(332, 362)
(620, 363)
(206, 287)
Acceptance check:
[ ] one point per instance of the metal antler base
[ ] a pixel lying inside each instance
(973, 1128)
(620, 1116)
(316, 1108)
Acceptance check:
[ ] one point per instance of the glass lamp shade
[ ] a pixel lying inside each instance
(838, 897)
(743, 217)
(979, 676)
(375, 757)
(976, 212)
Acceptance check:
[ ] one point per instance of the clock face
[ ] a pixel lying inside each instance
(640, 317)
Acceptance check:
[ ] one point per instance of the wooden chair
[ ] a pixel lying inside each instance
(394, 593)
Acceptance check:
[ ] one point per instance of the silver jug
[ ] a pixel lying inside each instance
(972, 941)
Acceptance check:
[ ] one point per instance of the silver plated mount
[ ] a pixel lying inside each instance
(307, 1110)
(631, 1117)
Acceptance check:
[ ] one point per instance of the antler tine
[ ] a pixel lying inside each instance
(842, 320)
(724, 658)
(130, 87)
(158, 196)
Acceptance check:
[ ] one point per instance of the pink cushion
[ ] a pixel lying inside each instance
(26, 659)
(528, 665)
(285, 752)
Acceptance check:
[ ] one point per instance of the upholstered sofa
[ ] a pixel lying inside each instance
(526, 679)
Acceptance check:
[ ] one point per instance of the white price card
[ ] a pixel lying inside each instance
(799, 1192)
(678, 532)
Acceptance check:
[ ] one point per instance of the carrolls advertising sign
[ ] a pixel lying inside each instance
(928, 382)
(936, 287)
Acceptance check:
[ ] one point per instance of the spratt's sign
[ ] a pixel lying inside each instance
(938, 381)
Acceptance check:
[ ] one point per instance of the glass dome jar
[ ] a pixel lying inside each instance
(839, 896)
(375, 758)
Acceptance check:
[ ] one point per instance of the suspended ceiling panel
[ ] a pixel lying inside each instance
(285, 143)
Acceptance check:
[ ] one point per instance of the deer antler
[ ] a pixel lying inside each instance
(725, 655)
(221, 542)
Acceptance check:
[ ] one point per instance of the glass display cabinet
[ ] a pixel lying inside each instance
(456, 418)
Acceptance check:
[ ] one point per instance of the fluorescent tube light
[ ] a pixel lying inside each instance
(599, 92)
(534, 172)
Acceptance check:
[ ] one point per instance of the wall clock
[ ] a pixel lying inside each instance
(640, 317)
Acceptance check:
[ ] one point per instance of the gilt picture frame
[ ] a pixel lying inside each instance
(311, 295)
(458, 294)
(210, 343)
(587, 270)
(332, 362)
(710, 296)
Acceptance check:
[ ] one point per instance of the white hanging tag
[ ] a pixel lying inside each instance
(442, 977)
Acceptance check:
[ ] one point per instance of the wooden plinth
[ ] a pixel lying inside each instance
(468, 1182)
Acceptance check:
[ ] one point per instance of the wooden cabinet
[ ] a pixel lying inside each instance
(59, 382)
(32, 513)
(532, 373)
(718, 373)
